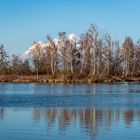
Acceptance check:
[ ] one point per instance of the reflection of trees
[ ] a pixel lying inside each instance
(108, 117)
(128, 117)
(65, 117)
(90, 119)
(51, 116)
(2, 113)
(36, 114)
(138, 113)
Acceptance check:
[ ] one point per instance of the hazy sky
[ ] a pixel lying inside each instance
(25, 21)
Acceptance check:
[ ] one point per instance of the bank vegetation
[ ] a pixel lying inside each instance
(92, 57)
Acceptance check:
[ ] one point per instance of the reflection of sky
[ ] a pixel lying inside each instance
(69, 124)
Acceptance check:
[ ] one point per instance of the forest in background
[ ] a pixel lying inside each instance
(92, 55)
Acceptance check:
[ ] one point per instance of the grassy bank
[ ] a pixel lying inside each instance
(56, 80)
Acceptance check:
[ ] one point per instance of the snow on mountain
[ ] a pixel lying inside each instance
(72, 38)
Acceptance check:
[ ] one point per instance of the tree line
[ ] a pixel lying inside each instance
(92, 54)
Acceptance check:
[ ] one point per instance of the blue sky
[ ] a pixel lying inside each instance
(25, 21)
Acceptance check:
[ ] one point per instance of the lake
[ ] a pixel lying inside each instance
(70, 112)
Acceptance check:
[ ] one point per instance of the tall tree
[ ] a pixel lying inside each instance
(117, 58)
(16, 65)
(36, 53)
(107, 54)
(128, 48)
(26, 69)
(4, 63)
(51, 50)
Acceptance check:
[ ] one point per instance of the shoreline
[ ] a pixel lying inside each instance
(47, 80)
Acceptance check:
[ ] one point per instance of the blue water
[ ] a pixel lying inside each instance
(71, 112)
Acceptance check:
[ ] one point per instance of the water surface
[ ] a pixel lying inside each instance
(74, 112)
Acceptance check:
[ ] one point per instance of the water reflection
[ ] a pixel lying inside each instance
(90, 122)
(1, 113)
(9, 88)
(88, 119)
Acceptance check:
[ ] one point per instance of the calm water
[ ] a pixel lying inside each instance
(79, 112)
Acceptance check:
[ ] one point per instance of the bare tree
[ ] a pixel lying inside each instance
(117, 59)
(36, 53)
(26, 69)
(16, 65)
(51, 51)
(62, 51)
(128, 49)
(93, 36)
(136, 61)
(4, 63)
(107, 55)
(85, 53)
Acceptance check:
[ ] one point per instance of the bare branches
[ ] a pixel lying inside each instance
(92, 54)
